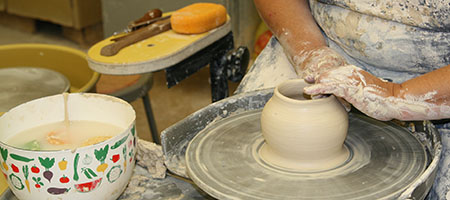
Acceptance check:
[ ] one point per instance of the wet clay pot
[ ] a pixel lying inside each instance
(303, 134)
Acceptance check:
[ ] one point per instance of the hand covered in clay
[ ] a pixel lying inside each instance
(372, 96)
(310, 65)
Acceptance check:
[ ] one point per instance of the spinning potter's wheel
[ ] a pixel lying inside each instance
(384, 161)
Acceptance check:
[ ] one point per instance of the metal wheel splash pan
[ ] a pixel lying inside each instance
(236, 109)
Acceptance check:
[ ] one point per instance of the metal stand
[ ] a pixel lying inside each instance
(224, 62)
(151, 119)
(141, 90)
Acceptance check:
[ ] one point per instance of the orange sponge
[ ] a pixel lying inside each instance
(198, 18)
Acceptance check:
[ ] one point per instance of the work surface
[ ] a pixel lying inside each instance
(154, 53)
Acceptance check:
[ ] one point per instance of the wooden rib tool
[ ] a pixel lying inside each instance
(136, 36)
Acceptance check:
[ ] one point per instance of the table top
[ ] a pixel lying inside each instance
(154, 53)
(22, 84)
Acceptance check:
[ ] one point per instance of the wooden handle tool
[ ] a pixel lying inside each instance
(139, 25)
(136, 36)
(151, 14)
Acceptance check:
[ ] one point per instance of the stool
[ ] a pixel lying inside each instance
(130, 88)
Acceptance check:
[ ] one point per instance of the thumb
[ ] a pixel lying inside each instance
(326, 89)
(347, 106)
(317, 88)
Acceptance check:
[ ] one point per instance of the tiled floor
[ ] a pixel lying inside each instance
(169, 105)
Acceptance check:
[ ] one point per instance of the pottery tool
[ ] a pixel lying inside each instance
(148, 16)
(198, 18)
(136, 24)
(387, 161)
(136, 36)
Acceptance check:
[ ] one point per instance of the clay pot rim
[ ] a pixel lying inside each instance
(299, 101)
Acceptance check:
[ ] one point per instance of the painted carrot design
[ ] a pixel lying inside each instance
(26, 173)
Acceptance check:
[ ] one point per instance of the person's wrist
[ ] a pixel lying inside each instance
(396, 90)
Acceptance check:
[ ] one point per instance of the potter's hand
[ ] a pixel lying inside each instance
(310, 65)
(371, 95)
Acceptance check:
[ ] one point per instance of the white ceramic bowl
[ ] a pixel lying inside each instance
(73, 173)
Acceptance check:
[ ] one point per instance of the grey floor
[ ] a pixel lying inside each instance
(169, 105)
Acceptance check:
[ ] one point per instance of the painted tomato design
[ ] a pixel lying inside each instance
(35, 169)
(64, 179)
(14, 168)
(115, 158)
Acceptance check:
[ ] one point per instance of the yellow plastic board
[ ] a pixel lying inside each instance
(154, 53)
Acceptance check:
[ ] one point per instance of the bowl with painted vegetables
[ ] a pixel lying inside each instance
(68, 146)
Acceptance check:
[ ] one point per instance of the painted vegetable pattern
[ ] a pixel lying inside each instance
(4, 153)
(64, 179)
(35, 169)
(87, 160)
(89, 173)
(16, 182)
(26, 173)
(124, 151)
(87, 169)
(20, 158)
(14, 168)
(38, 182)
(114, 173)
(62, 164)
(100, 155)
(57, 191)
(75, 167)
(47, 163)
(115, 158)
(89, 186)
(120, 142)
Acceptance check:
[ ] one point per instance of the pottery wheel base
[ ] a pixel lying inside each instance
(384, 160)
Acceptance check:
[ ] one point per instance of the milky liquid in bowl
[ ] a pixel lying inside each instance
(59, 136)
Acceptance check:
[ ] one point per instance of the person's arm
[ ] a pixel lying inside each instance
(426, 97)
(433, 87)
(294, 26)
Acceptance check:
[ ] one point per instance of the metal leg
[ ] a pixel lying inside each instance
(151, 119)
(216, 55)
(219, 80)
(218, 68)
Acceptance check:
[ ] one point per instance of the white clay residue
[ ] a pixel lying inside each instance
(271, 68)
(366, 98)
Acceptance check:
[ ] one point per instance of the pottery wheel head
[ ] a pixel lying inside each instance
(384, 160)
